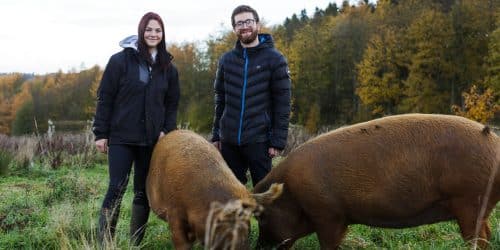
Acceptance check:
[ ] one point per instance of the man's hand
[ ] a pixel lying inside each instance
(102, 145)
(273, 152)
(216, 144)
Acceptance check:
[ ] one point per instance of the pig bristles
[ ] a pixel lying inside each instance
(227, 225)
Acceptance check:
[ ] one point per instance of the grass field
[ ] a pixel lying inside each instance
(57, 209)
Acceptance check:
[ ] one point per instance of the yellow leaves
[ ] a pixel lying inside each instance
(379, 73)
(478, 106)
(11, 89)
(378, 110)
(312, 123)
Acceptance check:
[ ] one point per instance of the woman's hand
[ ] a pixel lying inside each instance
(102, 145)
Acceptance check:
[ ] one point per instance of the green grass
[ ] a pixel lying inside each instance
(57, 209)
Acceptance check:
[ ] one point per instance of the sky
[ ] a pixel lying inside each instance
(44, 36)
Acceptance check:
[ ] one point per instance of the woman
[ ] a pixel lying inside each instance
(137, 104)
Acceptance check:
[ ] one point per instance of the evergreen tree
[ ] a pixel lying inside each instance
(430, 73)
(196, 103)
(493, 62)
(331, 10)
(471, 23)
(24, 122)
(381, 74)
(291, 25)
(350, 34)
(308, 80)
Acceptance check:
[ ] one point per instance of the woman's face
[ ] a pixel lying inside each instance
(153, 33)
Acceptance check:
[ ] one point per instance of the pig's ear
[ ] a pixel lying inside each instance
(249, 203)
(270, 195)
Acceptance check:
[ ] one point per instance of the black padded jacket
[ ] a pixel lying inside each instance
(252, 95)
(135, 102)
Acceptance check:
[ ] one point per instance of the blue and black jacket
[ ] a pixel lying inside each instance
(252, 96)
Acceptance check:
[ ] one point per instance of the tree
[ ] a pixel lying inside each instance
(492, 80)
(350, 33)
(478, 106)
(381, 73)
(20, 100)
(399, 14)
(24, 122)
(430, 71)
(91, 96)
(306, 71)
(331, 10)
(312, 122)
(196, 104)
(10, 85)
(472, 24)
(304, 19)
(216, 46)
(291, 25)
(318, 14)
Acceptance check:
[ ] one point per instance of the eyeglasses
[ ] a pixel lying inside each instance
(248, 22)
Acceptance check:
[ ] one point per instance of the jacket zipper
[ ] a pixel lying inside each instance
(243, 93)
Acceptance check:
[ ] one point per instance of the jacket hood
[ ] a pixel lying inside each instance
(129, 42)
(265, 41)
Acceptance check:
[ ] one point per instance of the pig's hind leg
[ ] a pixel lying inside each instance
(467, 212)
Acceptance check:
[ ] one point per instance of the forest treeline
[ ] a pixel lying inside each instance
(347, 63)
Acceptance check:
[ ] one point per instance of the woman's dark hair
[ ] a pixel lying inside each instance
(241, 9)
(162, 58)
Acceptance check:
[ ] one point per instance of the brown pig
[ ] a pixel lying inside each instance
(187, 174)
(394, 172)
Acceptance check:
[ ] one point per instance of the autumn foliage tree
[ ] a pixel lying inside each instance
(10, 86)
(478, 105)
(381, 74)
(430, 72)
(348, 63)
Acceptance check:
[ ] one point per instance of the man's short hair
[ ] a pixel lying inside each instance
(241, 9)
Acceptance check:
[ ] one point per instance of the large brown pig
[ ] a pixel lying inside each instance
(394, 172)
(186, 175)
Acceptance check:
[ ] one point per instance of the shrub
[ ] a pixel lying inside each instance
(51, 152)
(75, 150)
(479, 105)
(24, 121)
(17, 152)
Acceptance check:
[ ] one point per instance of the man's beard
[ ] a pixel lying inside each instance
(248, 39)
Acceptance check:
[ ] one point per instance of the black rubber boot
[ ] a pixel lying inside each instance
(138, 223)
(107, 226)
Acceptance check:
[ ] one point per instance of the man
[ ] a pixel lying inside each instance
(252, 99)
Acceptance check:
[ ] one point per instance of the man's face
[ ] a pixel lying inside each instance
(246, 27)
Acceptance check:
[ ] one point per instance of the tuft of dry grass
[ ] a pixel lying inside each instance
(297, 135)
(52, 152)
(26, 151)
